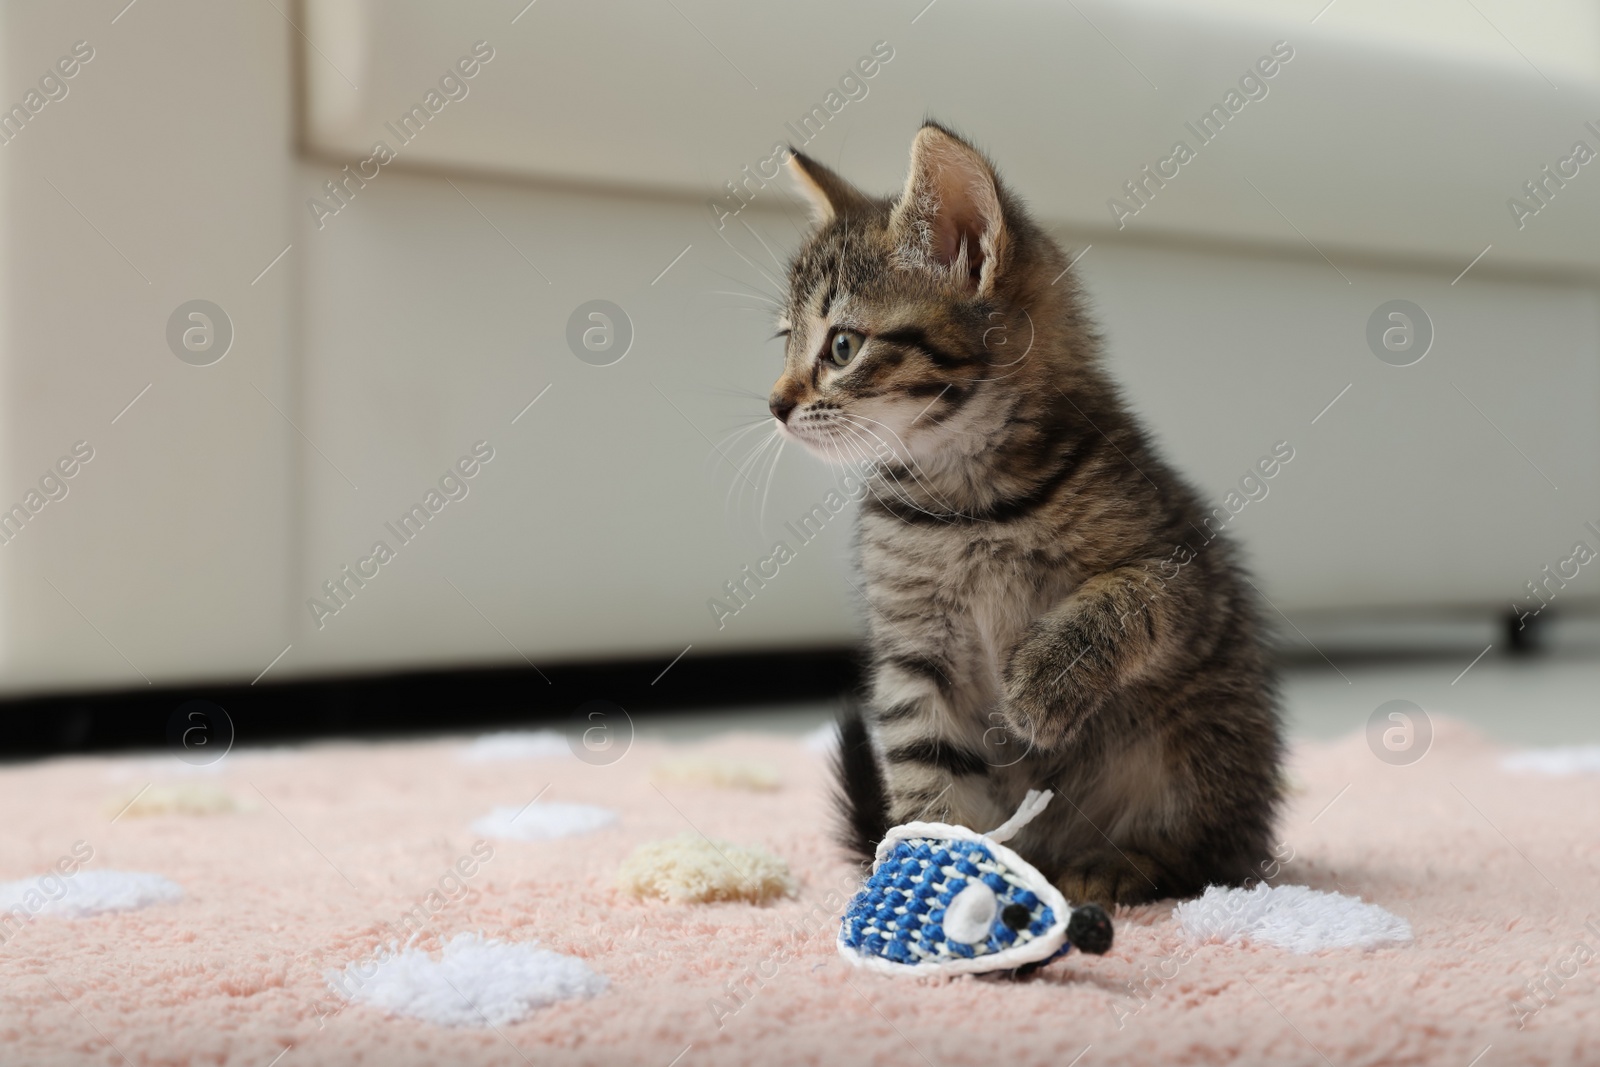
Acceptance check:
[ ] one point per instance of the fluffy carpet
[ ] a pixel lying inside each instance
(342, 909)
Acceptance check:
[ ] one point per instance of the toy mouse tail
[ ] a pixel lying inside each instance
(860, 798)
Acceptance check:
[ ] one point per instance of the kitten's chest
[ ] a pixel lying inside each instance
(984, 586)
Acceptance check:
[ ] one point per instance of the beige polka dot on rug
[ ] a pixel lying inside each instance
(691, 869)
(182, 798)
(722, 773)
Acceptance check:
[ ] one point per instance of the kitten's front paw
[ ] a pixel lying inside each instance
(1048, 694)
(1109, 880)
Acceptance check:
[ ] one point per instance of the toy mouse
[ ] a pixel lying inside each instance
(944, 899)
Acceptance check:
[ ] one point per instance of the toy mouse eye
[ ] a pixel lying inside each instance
(1016, 916)
(970, 914)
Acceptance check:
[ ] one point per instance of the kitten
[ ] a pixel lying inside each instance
(1038, 617)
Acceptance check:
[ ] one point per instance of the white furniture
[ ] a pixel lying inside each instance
(426, 313)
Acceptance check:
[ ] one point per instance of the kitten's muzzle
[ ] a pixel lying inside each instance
(781, 407)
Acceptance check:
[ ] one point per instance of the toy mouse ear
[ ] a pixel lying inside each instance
(827, 194)
(1032, 804)
(1089, 930)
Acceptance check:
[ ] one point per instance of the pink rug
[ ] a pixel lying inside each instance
(1496, 872)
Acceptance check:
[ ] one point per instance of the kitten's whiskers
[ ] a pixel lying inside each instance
(746, 466)
(752, 264)
(919, 477)
(889, 479)
(772, 476)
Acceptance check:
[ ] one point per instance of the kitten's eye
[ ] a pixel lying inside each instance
(846, 343)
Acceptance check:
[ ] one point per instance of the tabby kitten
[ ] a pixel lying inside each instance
(1048, 606)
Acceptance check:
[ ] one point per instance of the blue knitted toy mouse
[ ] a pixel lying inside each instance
(944, 899)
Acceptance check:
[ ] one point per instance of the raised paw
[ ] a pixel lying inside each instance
(1050, 690)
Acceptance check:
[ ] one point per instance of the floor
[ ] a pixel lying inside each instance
(1543, 700)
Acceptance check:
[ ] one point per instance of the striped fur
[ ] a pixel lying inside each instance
(1047, 608)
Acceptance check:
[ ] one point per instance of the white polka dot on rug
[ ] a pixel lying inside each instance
(87, 893)
(543, 821)
(824, 740)
(1293, 917)
(474, 982)
(515, 745)
(1561, 762)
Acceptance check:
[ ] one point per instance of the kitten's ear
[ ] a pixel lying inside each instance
(950, 218)
(827, 194)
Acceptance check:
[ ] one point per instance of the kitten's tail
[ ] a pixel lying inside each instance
(860, 799)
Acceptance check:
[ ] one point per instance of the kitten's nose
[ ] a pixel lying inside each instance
(781, 407)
